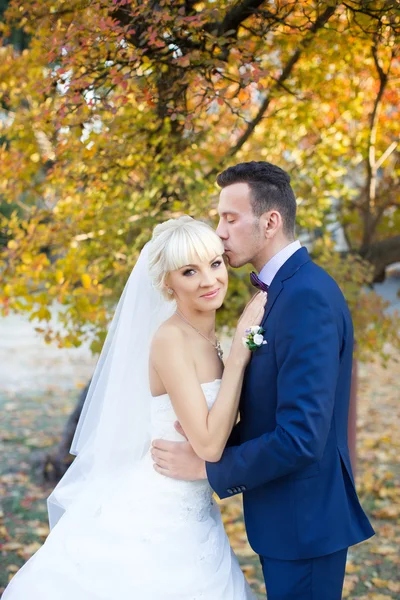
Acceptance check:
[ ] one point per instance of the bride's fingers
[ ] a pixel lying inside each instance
(258, 300)
(251, 301)
(262, 298)
(258, 315)
(255, 299)
(259, 306)
(258, 297)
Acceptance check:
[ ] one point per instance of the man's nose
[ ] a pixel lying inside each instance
(221, 231)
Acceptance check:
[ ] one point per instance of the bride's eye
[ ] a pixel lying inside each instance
(217, 263)
(188, 272)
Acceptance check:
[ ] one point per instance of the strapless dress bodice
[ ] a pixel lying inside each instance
(163, 415)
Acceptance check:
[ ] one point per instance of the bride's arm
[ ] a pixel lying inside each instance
(207, 431)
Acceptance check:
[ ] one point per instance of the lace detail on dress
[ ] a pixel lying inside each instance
(211, 552)
(196, 504)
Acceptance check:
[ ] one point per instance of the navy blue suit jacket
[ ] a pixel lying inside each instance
(289, 454)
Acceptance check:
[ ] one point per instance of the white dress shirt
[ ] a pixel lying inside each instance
(269, 270)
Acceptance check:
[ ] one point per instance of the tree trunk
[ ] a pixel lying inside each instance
(55, 464)
(382, 254)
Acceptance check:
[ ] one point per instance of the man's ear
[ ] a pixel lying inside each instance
(273, 223)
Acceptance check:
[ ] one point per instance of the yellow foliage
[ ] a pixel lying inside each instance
(101, 142)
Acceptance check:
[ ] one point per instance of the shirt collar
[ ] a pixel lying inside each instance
(269, 270)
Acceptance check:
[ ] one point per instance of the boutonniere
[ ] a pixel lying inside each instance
(254, 338)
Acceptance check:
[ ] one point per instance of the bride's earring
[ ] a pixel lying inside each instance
(170, 291)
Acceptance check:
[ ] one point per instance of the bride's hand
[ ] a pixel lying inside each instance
(252, 315)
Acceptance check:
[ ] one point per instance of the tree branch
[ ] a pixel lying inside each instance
(365, 8)
(237, 14)
(371, 162)
(386, 154)
(318, 24)
(381, 254)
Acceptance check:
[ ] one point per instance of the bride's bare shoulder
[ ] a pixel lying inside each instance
(171, 353)
(168, 335)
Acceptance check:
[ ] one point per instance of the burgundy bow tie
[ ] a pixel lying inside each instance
(256, 281)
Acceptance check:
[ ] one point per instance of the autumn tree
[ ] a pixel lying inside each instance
(118, 114)
(121, 113)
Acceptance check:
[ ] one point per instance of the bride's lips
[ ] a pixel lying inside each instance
(212, 294)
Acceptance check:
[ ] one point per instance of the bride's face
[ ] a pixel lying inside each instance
(200, 286)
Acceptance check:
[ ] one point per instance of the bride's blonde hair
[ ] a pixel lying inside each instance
(179, 242)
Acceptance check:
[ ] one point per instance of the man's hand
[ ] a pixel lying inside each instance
(177, 459)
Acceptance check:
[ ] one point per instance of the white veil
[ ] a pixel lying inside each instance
(114, 427)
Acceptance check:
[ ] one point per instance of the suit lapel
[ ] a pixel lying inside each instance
(287, 270)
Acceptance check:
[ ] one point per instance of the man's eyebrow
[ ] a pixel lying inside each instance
(228, 212)
(191, 265)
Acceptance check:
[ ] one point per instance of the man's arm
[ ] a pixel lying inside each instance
(178, 459)
(308, 355)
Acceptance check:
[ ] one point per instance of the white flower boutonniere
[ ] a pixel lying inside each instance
(254, 338)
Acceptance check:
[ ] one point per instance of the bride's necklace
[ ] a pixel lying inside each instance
(215, 344)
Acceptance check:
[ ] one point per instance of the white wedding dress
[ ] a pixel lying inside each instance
(146, 537)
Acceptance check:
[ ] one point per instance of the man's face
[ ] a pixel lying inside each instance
(238, 228)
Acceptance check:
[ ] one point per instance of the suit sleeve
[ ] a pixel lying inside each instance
(307, 350)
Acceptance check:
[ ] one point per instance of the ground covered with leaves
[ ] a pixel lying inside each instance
(32, 425)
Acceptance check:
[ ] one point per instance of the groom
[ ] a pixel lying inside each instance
(288, 455)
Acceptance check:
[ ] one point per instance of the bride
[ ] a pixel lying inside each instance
(119, 529)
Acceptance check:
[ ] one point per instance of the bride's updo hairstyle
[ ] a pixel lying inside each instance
(179, 242)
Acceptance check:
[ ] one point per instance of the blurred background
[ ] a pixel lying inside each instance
(118, 114)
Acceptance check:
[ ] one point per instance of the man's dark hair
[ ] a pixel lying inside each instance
(270, 189)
